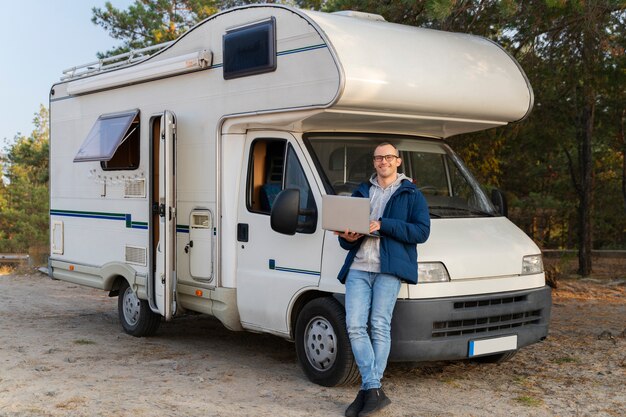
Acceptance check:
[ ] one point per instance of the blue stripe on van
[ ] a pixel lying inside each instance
(272, 265)
(89, 214)
(125, 217)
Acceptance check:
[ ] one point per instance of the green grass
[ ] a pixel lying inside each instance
(451, 382)
(529, 401)
(84, 342)
(565, 359)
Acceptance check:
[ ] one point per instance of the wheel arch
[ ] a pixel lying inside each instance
(113, 273)
(116, 283)
(300, 301)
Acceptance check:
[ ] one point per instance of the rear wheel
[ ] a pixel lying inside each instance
(322, 344)
(135, 315)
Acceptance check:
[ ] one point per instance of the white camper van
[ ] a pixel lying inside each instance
(191, 180)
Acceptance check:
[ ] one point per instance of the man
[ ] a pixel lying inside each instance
(374, 268)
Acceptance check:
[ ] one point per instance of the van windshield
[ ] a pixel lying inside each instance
(344, 162)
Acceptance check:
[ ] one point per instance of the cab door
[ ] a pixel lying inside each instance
(165, 273)
(272, 267)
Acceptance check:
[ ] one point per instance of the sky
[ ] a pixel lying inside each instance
(38, 40)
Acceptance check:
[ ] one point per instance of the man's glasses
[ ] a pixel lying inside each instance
(388, 158)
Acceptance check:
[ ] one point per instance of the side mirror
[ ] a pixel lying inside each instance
(284, 215)
(499, 200)
(286, 211)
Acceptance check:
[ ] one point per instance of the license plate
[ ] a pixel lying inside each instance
(495, 345)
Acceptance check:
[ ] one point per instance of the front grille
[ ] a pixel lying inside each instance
(485, 324)
(490, 302)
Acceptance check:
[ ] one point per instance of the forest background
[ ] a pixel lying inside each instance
(563, 169)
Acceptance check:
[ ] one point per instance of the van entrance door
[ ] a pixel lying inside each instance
(271, 267)
(165, 229)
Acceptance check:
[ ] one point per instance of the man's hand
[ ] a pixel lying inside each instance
(374, 226)
(350, 236)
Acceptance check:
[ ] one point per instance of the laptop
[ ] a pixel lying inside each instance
(340, 213)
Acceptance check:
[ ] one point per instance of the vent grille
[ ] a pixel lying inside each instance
(135, 188)
(136, 255)
(200, 220)
(490, 302)
(485, 324)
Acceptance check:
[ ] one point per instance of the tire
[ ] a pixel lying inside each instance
(136, 317)
(322, 344)
(497, 358)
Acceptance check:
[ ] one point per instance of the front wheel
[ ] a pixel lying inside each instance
(322, 344)
(135, 315)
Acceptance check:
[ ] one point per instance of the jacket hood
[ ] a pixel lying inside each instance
(406, 184)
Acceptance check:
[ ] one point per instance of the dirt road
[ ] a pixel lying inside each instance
(63, 353)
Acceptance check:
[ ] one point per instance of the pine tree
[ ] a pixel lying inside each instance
(24, 200)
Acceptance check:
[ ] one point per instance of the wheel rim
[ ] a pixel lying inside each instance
(131, 307)
(320, 343)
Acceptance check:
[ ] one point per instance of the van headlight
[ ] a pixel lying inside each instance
(532, 264)
(432, 272)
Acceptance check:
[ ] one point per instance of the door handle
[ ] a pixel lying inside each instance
(242, 232)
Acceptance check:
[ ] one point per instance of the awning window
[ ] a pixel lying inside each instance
(106, 135)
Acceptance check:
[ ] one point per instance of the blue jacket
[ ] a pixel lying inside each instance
(404, 224)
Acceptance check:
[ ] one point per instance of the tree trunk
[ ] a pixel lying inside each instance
(623, 141)
(586, 186)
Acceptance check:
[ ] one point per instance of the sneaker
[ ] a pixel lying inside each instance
(375, 400)
(356, 406)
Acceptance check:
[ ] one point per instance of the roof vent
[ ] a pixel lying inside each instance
(361, 15)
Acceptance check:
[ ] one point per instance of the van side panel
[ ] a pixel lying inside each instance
(99, 221)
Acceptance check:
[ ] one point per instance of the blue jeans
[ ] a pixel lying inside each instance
(370, 297)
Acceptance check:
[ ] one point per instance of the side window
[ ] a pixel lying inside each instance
(126, 157)
(274, 167)
(265, 174)
(295, 178)
(114, 141)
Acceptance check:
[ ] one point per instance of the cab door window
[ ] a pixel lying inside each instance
(265, 174)
(273, 167)
(295, 178)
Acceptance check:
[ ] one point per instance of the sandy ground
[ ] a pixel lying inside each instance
(63, 353)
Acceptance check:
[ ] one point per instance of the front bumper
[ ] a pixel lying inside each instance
(442, 328)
